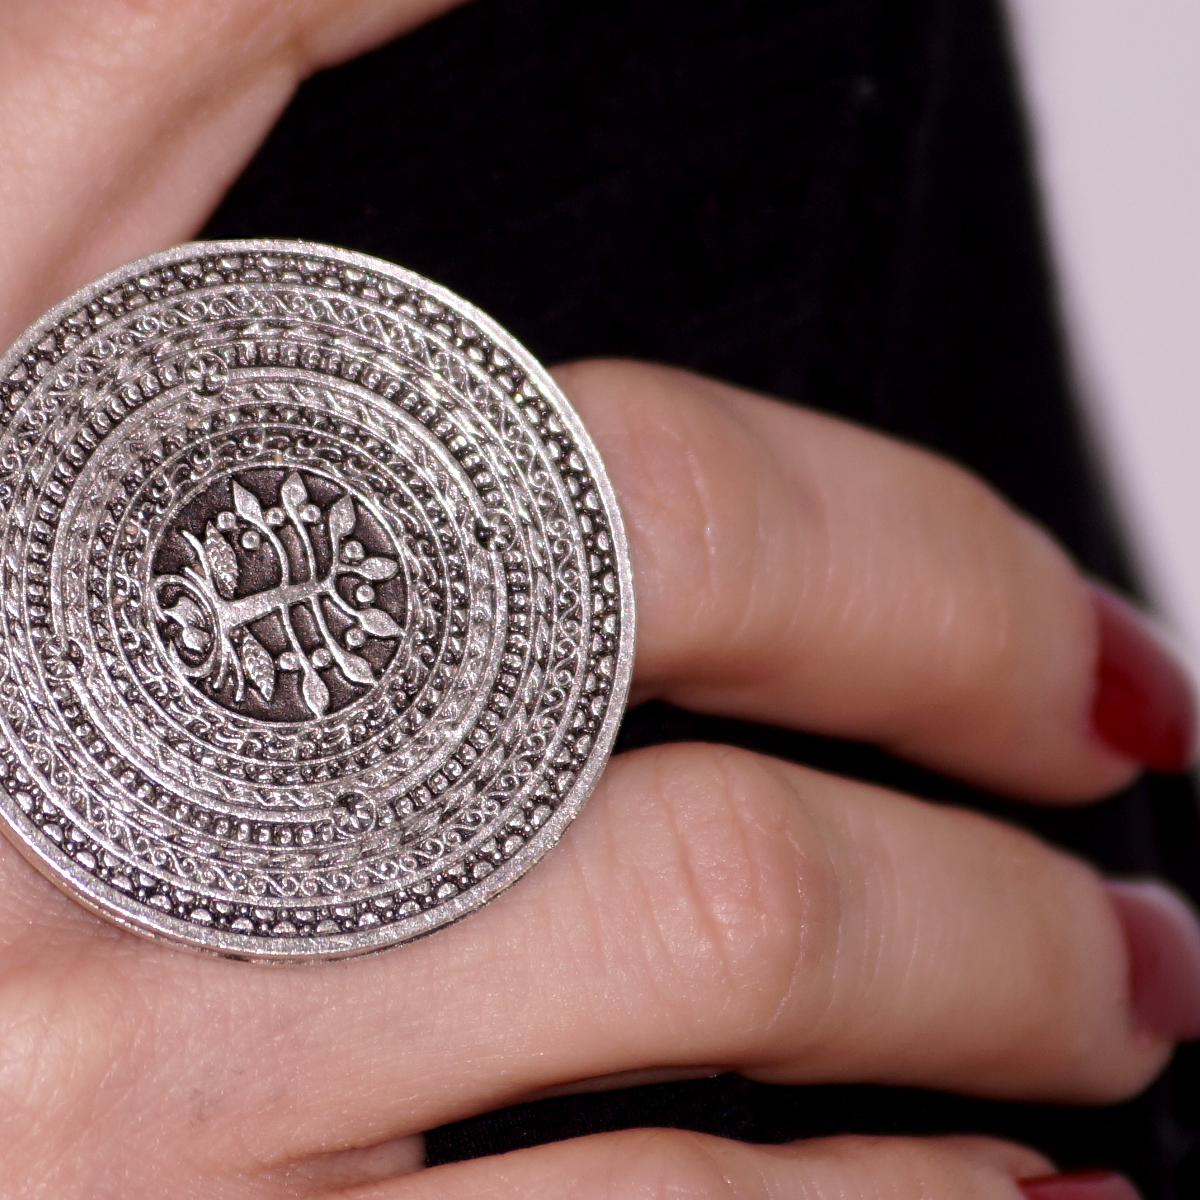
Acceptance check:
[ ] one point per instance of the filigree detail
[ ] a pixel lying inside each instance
(154, 728)
(210, 613)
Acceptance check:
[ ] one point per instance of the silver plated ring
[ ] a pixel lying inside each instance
(316, 613)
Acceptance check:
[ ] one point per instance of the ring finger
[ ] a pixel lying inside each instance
(668, 1163)
(711, 908)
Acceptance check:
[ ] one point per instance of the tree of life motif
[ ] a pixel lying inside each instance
(212, 640)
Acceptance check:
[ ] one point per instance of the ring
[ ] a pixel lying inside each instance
(316, 604)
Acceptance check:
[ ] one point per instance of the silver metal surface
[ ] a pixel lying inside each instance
(316, 618)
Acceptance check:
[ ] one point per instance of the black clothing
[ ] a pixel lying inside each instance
(827, 200)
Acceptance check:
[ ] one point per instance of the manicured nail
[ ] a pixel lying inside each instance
(1163, 937)
(1144, 707)
(1079, 1185)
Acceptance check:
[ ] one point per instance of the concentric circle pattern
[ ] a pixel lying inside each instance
(315, 605)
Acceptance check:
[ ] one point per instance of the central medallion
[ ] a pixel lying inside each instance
(279, 594)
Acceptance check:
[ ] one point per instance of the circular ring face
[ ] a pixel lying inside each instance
(316, 619)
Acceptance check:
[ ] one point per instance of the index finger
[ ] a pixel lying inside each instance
(796, 569)
(121, 124)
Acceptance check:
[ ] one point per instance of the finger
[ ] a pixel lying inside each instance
(710, 909)
(671, 1163)
(796, 569)
(118, 160)
(121, 124)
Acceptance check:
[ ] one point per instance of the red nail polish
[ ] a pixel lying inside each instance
(1163, 939)
(1144, 707)
(1079, 1185)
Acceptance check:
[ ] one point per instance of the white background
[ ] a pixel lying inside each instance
(1113, 91)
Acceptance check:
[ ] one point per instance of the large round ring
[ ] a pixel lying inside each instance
(316, 616)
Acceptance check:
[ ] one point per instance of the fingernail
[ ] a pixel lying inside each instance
(1079, 1185)
(1163, 937)
(1144, 706)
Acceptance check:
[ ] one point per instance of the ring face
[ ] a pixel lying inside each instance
(316, 608)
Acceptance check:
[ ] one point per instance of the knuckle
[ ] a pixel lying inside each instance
(984, 562)
(957, 558)
(667, 1164)
(70, 1038)
(50, 1045)
(693, 493)
(746, 893)
(985, 605)
(910, 1168)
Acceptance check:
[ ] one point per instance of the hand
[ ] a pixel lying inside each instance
(711, 909)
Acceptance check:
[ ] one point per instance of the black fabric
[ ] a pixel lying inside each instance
(828, 200)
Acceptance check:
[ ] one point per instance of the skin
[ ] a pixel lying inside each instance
(711, 909)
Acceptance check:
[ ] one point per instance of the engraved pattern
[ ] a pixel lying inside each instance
(316, 613)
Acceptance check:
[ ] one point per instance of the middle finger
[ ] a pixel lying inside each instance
(796, 569)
